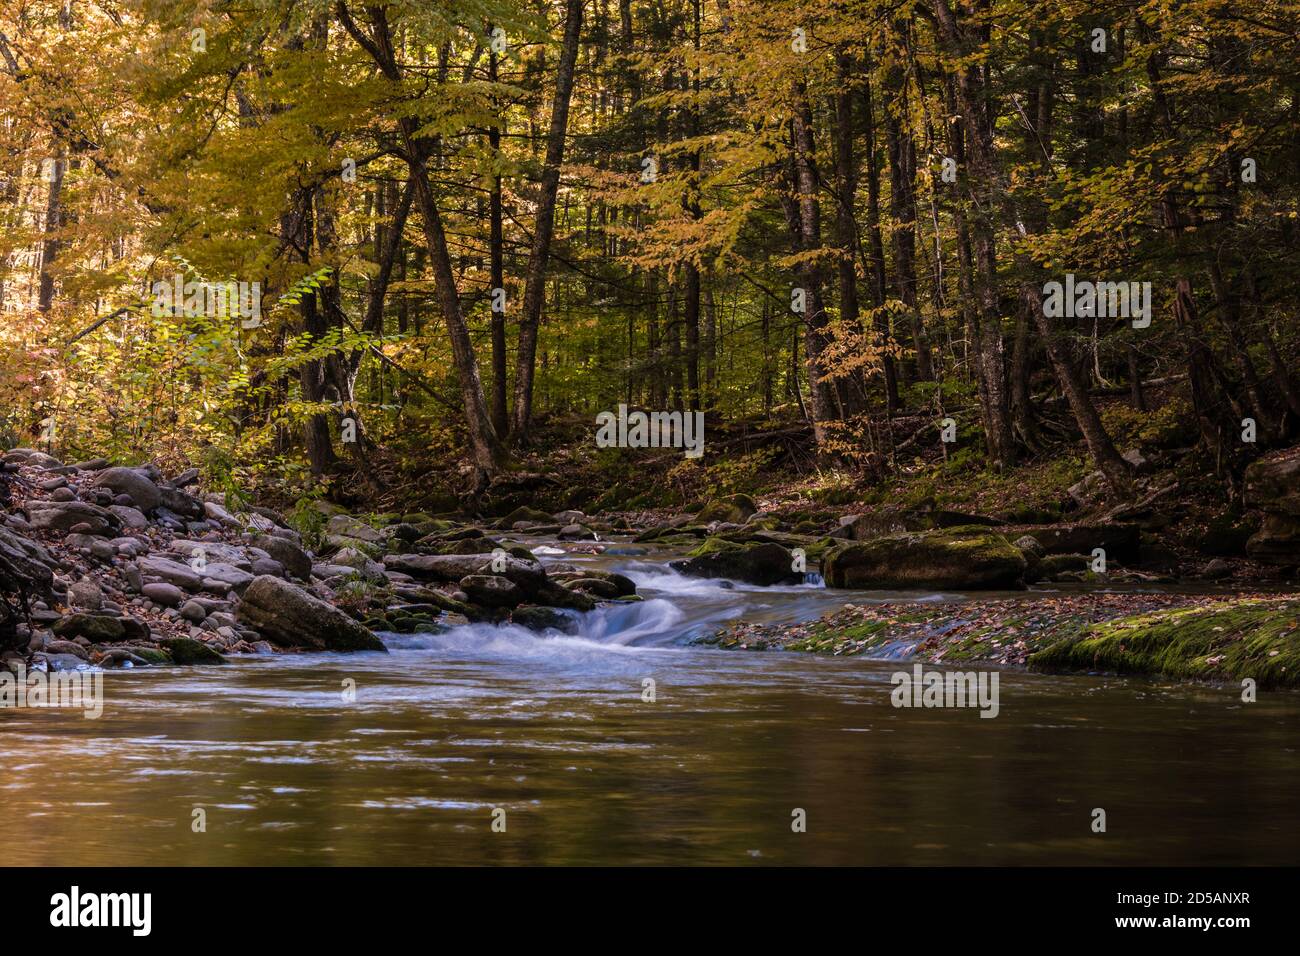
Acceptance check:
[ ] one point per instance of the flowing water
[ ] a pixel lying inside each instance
(554, 730)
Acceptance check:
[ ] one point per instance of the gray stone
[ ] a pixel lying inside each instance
(491, 590)
(296, 561)
(68, 515)
(288, 615)
(143, 492)
(193, 611)
(173, 572)
(85, 593)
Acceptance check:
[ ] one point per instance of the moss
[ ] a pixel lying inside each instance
(713, 545)
(967, 556)
(1224, 641)
(734, 509)
(186, 650)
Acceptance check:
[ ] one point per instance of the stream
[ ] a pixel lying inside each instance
(553, 730)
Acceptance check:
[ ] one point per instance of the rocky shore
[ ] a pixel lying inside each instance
(115, 566)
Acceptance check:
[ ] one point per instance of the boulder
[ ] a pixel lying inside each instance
(236, 578)
(492, 590)
(524, 513)
(1276, 542)
(566, 574)
(1121, 541)
(959, 559)
(129, 516)
(26, 559)
(528, 574)
(763, 563)
(69, 515)
(350, 529)
(295, 560)
(361, 563)
(543, 619)
(287, 615)
(193, 611)
(93, 627)
(85, 593)
(178, 502)
(736, 509)
(32, 457)
(554, 594)
(1273, 485)
(160, 592)
(186, 549)
(868, 527)
(144, 494)
(186, 650)
(173, 572)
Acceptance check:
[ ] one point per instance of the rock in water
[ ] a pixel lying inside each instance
(289, 616)
(186, 650)
(958, 559)
(764, 563)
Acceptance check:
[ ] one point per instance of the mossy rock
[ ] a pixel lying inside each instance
(735, 509)
(186, 650)
(1228, 640)
(960, 559)
(150, 655)
(763, 563)
(1051, 565)
(813, 547)
(96, 628)
(525, 513)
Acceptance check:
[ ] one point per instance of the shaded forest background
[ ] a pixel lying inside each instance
(649, 182)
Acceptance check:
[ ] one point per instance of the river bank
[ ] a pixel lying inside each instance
(1206, 637)
(125, 567)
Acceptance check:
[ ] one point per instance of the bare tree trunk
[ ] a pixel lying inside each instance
(53, 222)
(809, 234)
(535, 281)
(485, 447)
(500, 413)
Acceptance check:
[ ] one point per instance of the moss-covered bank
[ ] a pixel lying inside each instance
(1191, 637)
(1227, 640)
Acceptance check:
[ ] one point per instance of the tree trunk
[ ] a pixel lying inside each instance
(535, 280)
